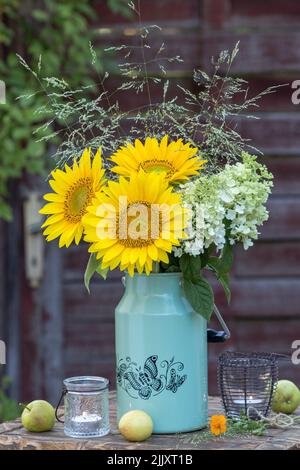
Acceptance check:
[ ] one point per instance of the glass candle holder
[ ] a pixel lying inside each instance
(247, 382)
(86, 407)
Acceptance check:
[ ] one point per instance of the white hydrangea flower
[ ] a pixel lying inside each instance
(230, 204)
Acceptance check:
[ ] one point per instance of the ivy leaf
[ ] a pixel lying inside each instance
(5, 211)
(40, 15)
(200, 295)
(190, 266)
(94, 265)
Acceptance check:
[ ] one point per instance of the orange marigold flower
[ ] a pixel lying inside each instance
(218, 424)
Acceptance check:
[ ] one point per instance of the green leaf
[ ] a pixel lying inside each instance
(200, 295)
(40, 15)
(9, 409)
(224, 281)
(103, 272)
(190, 266)
(223, 263)
(93, 266)
(207, 254)
(90, 270)
(5, 211)
(120, 6)
(214, 263)
(227, 258)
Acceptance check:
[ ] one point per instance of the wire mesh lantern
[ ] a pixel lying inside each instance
(247, 383)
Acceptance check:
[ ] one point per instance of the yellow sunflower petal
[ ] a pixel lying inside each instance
(78, 234)
(131, 270)
(51, 208)
(153, 252)
(52, 219)
(74, 191)
(175, 160)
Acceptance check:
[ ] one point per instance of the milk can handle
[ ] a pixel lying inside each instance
(214, 336)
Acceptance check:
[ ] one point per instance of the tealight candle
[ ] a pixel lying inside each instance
(247, 401)
(86, 423)
(247, 405)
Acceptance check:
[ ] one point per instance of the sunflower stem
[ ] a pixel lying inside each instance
(156, 267)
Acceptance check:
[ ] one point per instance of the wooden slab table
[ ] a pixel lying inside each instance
(14, 437)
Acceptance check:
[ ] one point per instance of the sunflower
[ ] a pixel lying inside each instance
(175, 160)
(74, 190)
(134, 222)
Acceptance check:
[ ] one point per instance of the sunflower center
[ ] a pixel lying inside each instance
(158, 166)
(138, 225)
(78, 197)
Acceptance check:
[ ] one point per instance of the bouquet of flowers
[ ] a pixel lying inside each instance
(175, 192)
(161, 215)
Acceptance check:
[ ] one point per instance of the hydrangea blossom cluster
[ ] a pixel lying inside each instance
(229, 205)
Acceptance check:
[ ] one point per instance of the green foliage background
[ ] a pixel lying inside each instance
(59, 32)
(9, 409)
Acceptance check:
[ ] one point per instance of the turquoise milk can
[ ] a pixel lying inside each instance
(161, 353)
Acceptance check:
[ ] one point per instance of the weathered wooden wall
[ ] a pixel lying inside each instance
(77, 336)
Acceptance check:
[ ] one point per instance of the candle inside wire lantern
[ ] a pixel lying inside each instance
(247, 383)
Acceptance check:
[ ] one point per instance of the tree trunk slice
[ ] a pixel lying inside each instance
(14, 437)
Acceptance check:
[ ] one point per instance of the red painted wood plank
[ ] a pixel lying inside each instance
(256, 298)
(279, 101)
(100, 368)
(272, 335)
(284, 220)
(260, 52)
(268, 259)
(100, 304)
(89, 336)
(275, 13)
(286, 171)
(215, 13)
(274, 133)
(152, 11)
(75, 262)
(184, 41)
(130, 100)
